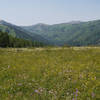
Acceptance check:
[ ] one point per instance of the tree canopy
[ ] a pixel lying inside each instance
(9, 41)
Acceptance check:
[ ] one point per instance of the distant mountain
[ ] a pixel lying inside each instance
(75, 33)
(72, 33)
(38, 28)
(19, 32)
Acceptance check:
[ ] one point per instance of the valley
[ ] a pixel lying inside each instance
(74, 33)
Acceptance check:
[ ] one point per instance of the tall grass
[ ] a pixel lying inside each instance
(59, 74)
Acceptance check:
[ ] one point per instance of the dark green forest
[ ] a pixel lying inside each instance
(10, 41)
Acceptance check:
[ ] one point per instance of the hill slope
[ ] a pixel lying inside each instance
(19, 32)
(10, 41)
(73, 33)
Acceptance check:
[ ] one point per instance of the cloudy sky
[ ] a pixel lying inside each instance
(28, 12)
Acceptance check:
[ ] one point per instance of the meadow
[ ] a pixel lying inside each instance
(50, 74)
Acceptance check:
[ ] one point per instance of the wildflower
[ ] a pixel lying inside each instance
(74, 99)
(67, 93)
(37, 91)
(51, 92)
(93, 95)
(19, 84)
(8, 66)
(76, 93)
(41, 89)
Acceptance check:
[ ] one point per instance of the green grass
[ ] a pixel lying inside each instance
(50, 74)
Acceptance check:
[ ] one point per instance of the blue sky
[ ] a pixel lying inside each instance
(28, 12)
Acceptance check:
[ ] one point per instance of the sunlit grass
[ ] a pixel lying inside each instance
(50, 74)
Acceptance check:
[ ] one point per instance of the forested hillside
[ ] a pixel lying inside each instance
(9, 41)
(19, 32)
(73, 33)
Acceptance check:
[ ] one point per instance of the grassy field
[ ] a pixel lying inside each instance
(50, 74)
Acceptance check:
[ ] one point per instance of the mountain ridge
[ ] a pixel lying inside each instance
(73, 33)
(17, 31)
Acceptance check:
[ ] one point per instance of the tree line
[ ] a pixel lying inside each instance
(9, 41)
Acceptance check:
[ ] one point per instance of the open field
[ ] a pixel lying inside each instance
(50, 74)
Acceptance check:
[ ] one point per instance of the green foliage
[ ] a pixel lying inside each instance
(53, 74)
(4, 39)
(77, 34)
(19, 32)
(73, 34)
(9, 41)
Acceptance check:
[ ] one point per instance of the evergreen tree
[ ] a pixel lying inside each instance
(9, 41)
